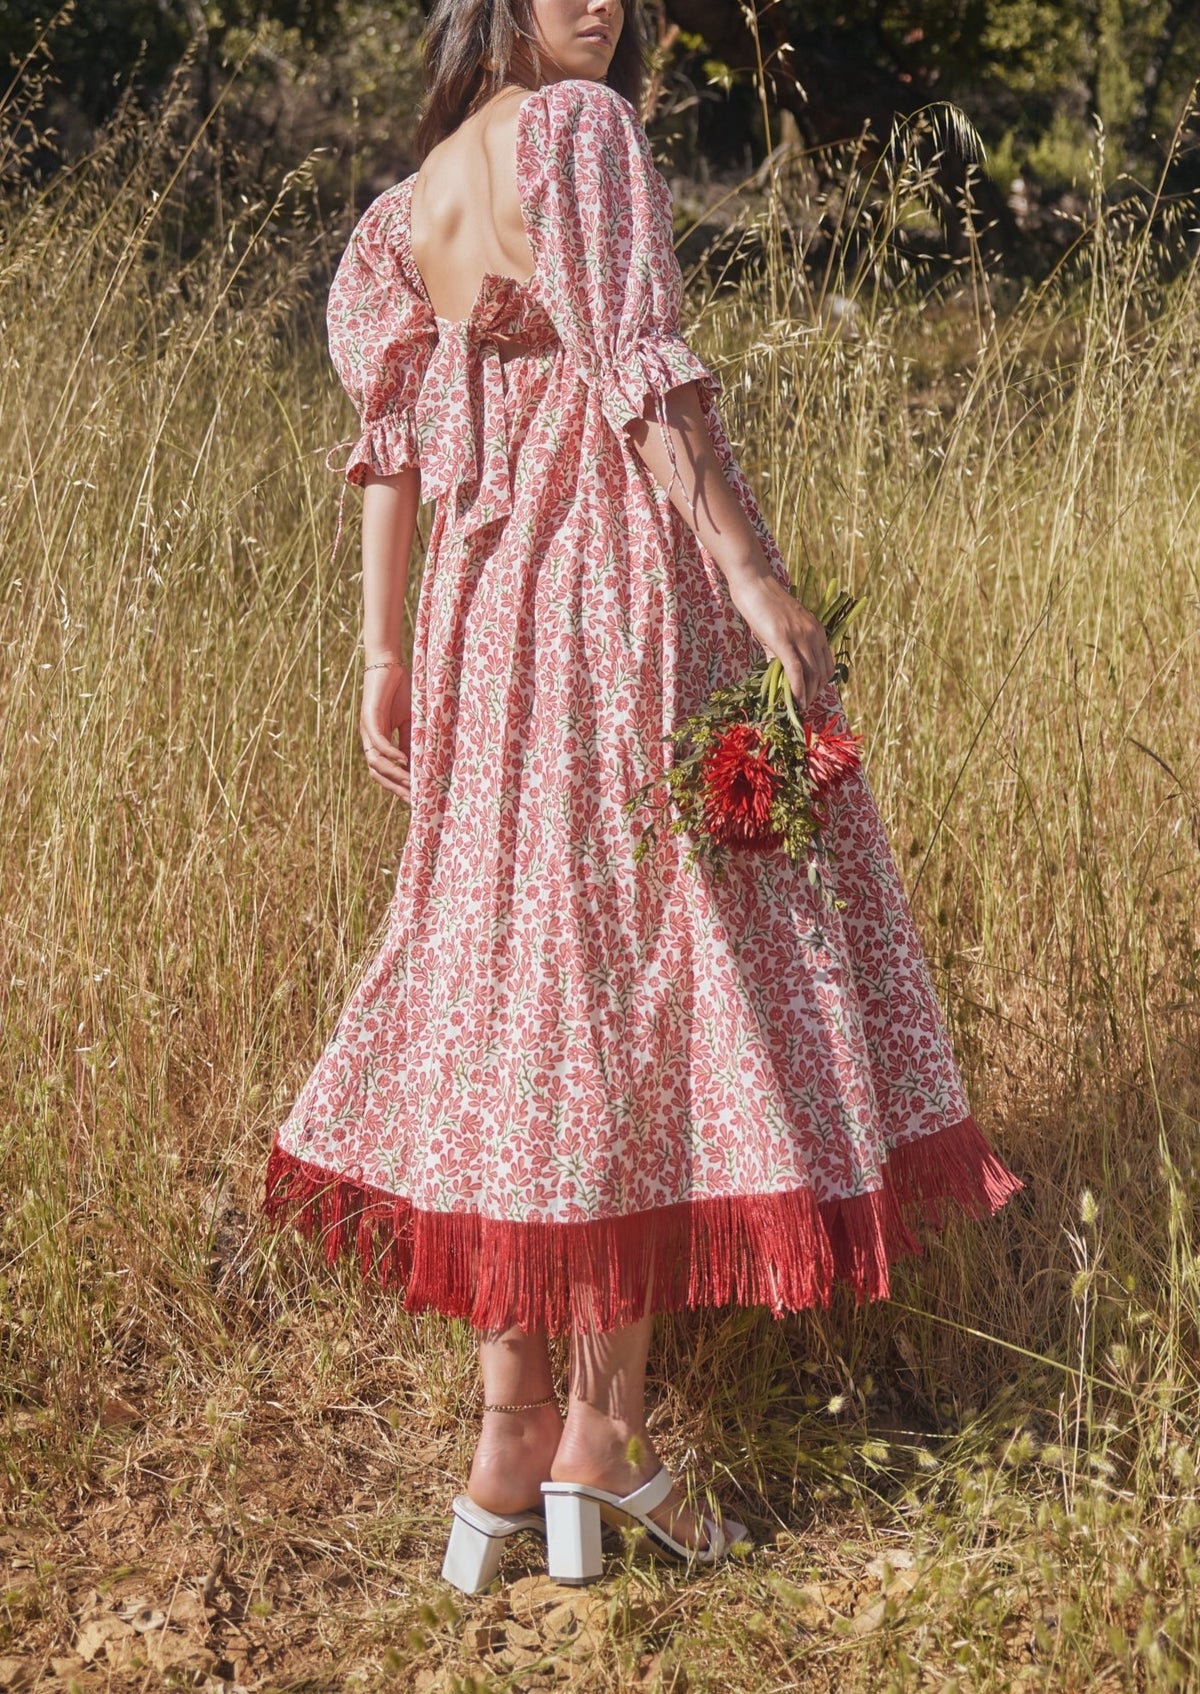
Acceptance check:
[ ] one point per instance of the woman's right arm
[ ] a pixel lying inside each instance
(389, 525)
(599, 219)
(702, 496)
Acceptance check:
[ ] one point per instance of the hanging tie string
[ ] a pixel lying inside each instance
(664, 425)
(656, 375)
(341, 511)
(463, 449)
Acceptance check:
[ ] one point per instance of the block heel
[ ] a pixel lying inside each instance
(572, 1534)
(477, 1542)
(574, 1513)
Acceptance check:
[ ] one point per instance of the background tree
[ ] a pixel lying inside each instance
(1033, 75)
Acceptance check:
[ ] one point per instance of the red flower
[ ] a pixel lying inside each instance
(832, 755)
(739, 787)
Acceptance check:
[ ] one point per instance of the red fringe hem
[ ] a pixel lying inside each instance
(783, 1251)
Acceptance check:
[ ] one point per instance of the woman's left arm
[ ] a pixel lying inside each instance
(389, 525)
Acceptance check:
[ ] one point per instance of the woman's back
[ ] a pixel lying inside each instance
(466, 210)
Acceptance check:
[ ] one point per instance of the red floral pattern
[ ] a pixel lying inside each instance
(567, 1080)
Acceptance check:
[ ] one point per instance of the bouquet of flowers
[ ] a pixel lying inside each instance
(751, 775)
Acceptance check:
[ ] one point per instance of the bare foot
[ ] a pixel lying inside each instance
(602, 1453)
(513, 1458)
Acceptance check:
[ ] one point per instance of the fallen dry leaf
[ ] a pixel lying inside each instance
(879, 1567)
(868, 1619)
(519, 1658)
(663, 1679)
(483, 1638)
(159, 1650)
(519, 1635)
(168, 1650)
(96, 1632)
(806, 1599)
(118, 1413)
(589, 1640)
(530, 1595)
(16, 1673)
(561, 1620)
(493, 1607)
(188, 1608)
(902, 1583)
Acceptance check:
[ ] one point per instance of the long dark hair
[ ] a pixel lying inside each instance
(469, 50)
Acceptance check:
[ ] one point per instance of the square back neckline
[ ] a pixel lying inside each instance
(488, 278)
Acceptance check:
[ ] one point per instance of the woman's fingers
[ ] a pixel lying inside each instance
(798, 681)
(380, 746)
(387, 763)
(810, 668)
(402, 791)
(788, 631)
(395, 778)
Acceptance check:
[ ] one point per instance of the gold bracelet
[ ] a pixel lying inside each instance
(385, 665)
(529, 1406)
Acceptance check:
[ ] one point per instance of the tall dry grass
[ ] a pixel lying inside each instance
(194, 862)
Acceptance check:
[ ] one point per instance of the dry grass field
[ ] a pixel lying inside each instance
(225, 1466)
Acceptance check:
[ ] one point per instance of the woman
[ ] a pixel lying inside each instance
(573, 1090)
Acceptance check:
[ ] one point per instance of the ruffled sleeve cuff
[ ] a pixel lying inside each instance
(652, 367)
(386, 447)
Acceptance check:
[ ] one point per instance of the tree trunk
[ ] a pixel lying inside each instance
(1178, 12)
(193, 11)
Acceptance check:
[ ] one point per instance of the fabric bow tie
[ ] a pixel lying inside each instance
(463, 427)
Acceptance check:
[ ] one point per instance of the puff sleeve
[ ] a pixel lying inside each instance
(598, 215)
(381, 333)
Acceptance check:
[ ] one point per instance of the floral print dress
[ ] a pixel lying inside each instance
(571, 1086)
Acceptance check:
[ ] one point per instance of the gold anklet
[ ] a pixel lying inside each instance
(529, 1406)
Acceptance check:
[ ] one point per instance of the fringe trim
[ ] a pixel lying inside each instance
(783, 1251)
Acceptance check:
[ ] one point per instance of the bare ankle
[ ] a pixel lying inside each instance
(596, 1446)
(513, 1458)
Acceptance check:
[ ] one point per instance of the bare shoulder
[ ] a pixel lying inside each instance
(497, 114)
(465, 218)
(485, 139)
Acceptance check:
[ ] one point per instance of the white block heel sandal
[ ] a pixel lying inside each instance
(575, 1512)
(477, 1536)
(476, 1545)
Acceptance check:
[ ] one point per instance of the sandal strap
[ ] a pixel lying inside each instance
(650, 1494)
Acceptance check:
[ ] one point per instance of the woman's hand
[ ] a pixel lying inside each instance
(788, 632)
(387, 711)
